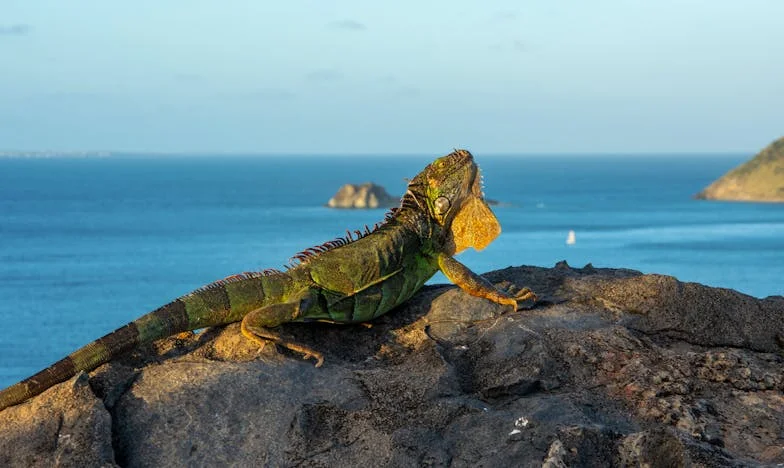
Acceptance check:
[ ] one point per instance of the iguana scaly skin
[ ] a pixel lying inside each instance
(347, 280)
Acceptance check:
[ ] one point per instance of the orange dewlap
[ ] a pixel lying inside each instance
(474, 225)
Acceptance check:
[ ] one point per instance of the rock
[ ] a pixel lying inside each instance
(759, 179)
(367, 195)
(65, 426)
(610, 368)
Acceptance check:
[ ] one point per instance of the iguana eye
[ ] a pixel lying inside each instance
(441, 205)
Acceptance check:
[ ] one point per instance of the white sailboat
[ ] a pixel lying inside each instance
(571, 239)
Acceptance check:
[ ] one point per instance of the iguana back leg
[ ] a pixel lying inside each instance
(257, 323)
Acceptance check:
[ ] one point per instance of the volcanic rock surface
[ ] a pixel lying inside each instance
(610, 368)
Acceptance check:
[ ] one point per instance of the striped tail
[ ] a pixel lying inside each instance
(219, 303)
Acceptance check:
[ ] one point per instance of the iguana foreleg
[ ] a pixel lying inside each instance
(257, 323)
(475, 285)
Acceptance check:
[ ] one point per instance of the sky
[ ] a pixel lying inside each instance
(262, 76)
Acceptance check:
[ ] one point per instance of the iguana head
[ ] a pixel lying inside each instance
(450, 189)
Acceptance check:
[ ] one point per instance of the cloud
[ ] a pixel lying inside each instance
(15, 30)
(188, 77)
(348, 25)
(324, 75)
(503, 16)
(515, 46)
(392, 85)
(261, 94)
(388, 78)
(68, 96)
(273, 94)
(408, 92)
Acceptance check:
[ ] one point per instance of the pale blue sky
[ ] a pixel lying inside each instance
(403, 76)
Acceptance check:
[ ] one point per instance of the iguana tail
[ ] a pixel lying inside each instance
(219, 303)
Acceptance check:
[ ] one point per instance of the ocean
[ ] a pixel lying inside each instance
(88, 244)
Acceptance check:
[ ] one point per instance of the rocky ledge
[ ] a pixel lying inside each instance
(611, 367)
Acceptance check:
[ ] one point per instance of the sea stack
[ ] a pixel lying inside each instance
(760, 179)
(367, 195)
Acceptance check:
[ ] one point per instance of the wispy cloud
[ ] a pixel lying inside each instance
(392, 85)
(408, 92)
(515, 46)
(348, 25)
(273, 94)
(188, 77)
(15, 29)
(503, 16)
(324, 75)
(69, 98)
(261, 94)
(388, 78)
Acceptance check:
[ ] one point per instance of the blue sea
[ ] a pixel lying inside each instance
(88, 244)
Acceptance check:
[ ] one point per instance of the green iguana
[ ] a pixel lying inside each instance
(347, 280)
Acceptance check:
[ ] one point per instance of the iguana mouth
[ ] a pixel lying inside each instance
(472, 185)
(477, 188)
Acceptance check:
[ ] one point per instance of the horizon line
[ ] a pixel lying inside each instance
(203, 153)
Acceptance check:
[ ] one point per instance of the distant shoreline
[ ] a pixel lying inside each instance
(56, 154)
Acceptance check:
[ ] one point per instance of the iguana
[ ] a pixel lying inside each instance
(347, 280)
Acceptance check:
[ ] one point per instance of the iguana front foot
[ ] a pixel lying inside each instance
(516, 295)
(476, 285)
